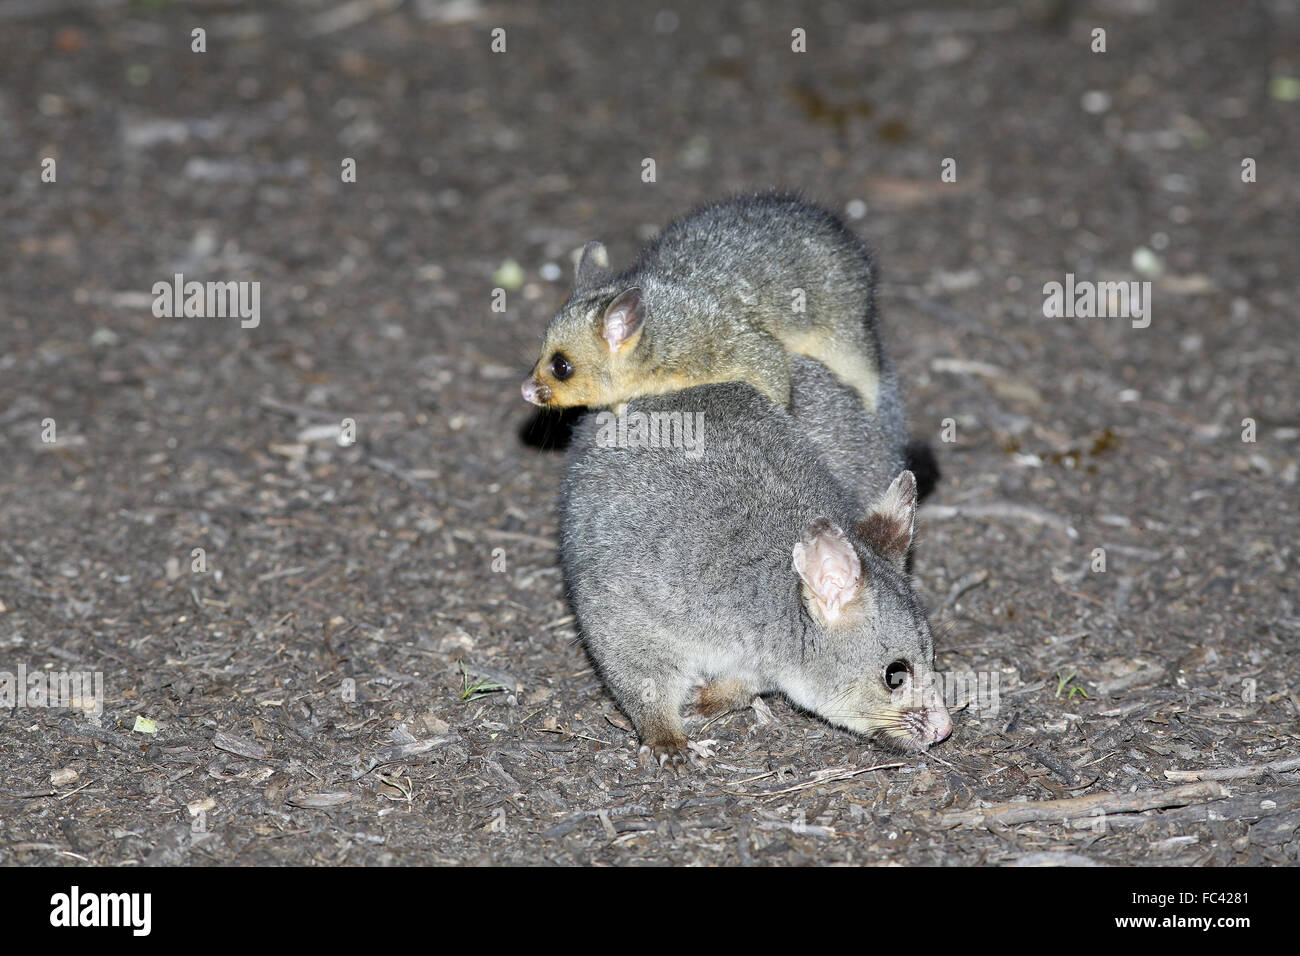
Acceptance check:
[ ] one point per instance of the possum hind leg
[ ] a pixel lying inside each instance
(853, 363)
(761, 360)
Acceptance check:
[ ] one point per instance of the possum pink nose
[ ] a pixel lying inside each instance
(940, 725)
(535, 392)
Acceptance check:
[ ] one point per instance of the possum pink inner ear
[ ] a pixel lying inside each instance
(829, 567)
(888, 527)
(623, 319)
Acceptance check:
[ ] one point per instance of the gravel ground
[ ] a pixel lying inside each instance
(295, 691)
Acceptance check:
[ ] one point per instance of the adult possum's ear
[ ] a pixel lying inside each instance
(889, 525)
(829, 568)
(623, 319)
(592, 265)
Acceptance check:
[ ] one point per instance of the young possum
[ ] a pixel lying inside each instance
(726, 293)
(702, 581)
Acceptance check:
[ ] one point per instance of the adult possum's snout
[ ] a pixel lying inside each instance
(931, 726)
(940, 725)
(913, 730)
(920, 718)
(912, 719)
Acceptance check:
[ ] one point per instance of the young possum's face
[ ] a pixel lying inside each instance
(589, 340)
(586, 344)
(871, 669)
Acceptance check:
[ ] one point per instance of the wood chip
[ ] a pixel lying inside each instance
(238, 745)
(321, 801)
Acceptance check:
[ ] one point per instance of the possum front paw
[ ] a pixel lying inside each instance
(664, 744)
(689, 753)
(673, 754)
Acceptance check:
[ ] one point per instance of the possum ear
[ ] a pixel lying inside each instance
(889, 525)
(623, 319)
(592, 264)
(829, 567)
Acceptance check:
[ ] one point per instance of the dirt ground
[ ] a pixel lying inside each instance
(295, 692)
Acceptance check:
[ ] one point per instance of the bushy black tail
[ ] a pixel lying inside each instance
(921, 462)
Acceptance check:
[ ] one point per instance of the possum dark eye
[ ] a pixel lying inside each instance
(897, 674)
(560, 366)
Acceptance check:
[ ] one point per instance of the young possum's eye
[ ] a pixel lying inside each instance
(897, 674)
(560, 366)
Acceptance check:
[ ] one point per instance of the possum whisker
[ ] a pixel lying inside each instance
(839, 698)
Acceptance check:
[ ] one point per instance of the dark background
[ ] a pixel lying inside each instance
(374, 562)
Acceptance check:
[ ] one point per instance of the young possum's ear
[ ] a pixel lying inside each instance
(592, 265)
(829, 567)
(623, 319)
(889, 525)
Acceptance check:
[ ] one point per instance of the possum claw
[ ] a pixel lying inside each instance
(664, 755)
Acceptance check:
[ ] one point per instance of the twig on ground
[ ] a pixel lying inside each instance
(820, 778)
(1235, 773)
(1090, 806)
(396, 471)
(548, 543)
(348, 15)
(1000, 509)
(963, 584)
